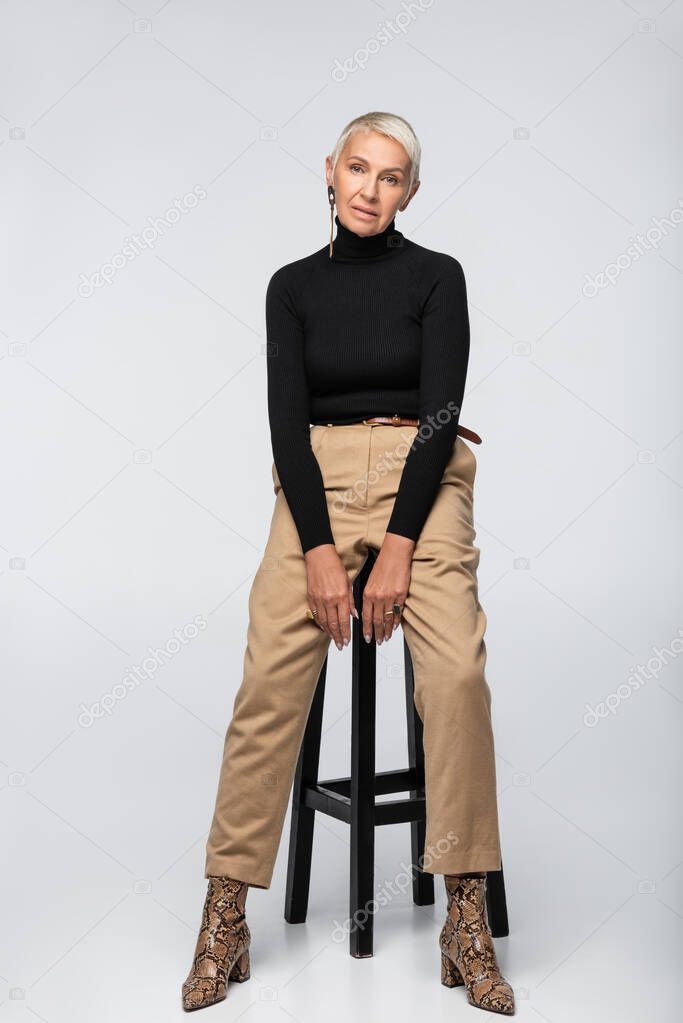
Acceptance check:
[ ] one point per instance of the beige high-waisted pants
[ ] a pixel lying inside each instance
(443, 623)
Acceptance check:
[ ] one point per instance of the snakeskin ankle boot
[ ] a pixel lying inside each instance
(467, 952)
(222, 951)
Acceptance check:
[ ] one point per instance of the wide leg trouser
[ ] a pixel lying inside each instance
(443, 623)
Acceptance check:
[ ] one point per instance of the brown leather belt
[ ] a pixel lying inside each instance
(407, 421)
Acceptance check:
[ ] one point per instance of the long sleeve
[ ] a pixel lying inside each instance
(444, 359)
(289, 415)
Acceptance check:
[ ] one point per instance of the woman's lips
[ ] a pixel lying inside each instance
(363, 214)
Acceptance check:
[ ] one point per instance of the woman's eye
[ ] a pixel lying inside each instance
(390, 177)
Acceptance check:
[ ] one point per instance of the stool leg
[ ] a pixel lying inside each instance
(303, 817)
(423, 883)
(496, 903)
(363, 708)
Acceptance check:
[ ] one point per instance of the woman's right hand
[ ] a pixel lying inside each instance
(330, 593)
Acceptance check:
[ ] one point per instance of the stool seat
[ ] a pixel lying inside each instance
(353, 799)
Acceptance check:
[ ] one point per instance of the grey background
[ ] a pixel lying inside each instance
(137, 491)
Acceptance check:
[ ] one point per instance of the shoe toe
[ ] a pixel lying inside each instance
(201, 991)
(499, 998)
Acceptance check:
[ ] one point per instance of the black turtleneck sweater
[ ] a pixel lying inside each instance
(379, 328)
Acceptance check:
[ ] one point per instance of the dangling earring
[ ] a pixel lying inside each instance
(330, 196)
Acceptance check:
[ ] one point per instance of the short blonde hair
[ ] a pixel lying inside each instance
(391, 125)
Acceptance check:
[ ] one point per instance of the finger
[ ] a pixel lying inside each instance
(313, 607)
(388, 618)
(377, 621)
(367, 618)
(321, 617)
(316, 618)
(352, 602)
(333, 623)
(344, 614)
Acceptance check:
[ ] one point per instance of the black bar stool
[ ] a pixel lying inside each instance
(353, 799)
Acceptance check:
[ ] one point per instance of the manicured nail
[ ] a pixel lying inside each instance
(339, 645)
(367, 639)
(346, 640)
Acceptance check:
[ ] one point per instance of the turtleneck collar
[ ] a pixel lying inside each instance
(349, 247)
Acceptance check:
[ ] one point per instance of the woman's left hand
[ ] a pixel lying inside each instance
(387, 585)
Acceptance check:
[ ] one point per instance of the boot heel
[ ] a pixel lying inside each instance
(241, 968)
(450, 974)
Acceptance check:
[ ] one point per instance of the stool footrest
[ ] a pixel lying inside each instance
(403, 780)
(333, 797)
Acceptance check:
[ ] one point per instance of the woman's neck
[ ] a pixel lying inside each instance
(349, 247)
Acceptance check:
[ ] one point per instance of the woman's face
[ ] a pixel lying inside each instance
(370, 182)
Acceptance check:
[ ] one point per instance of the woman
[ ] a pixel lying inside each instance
(367, 352)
